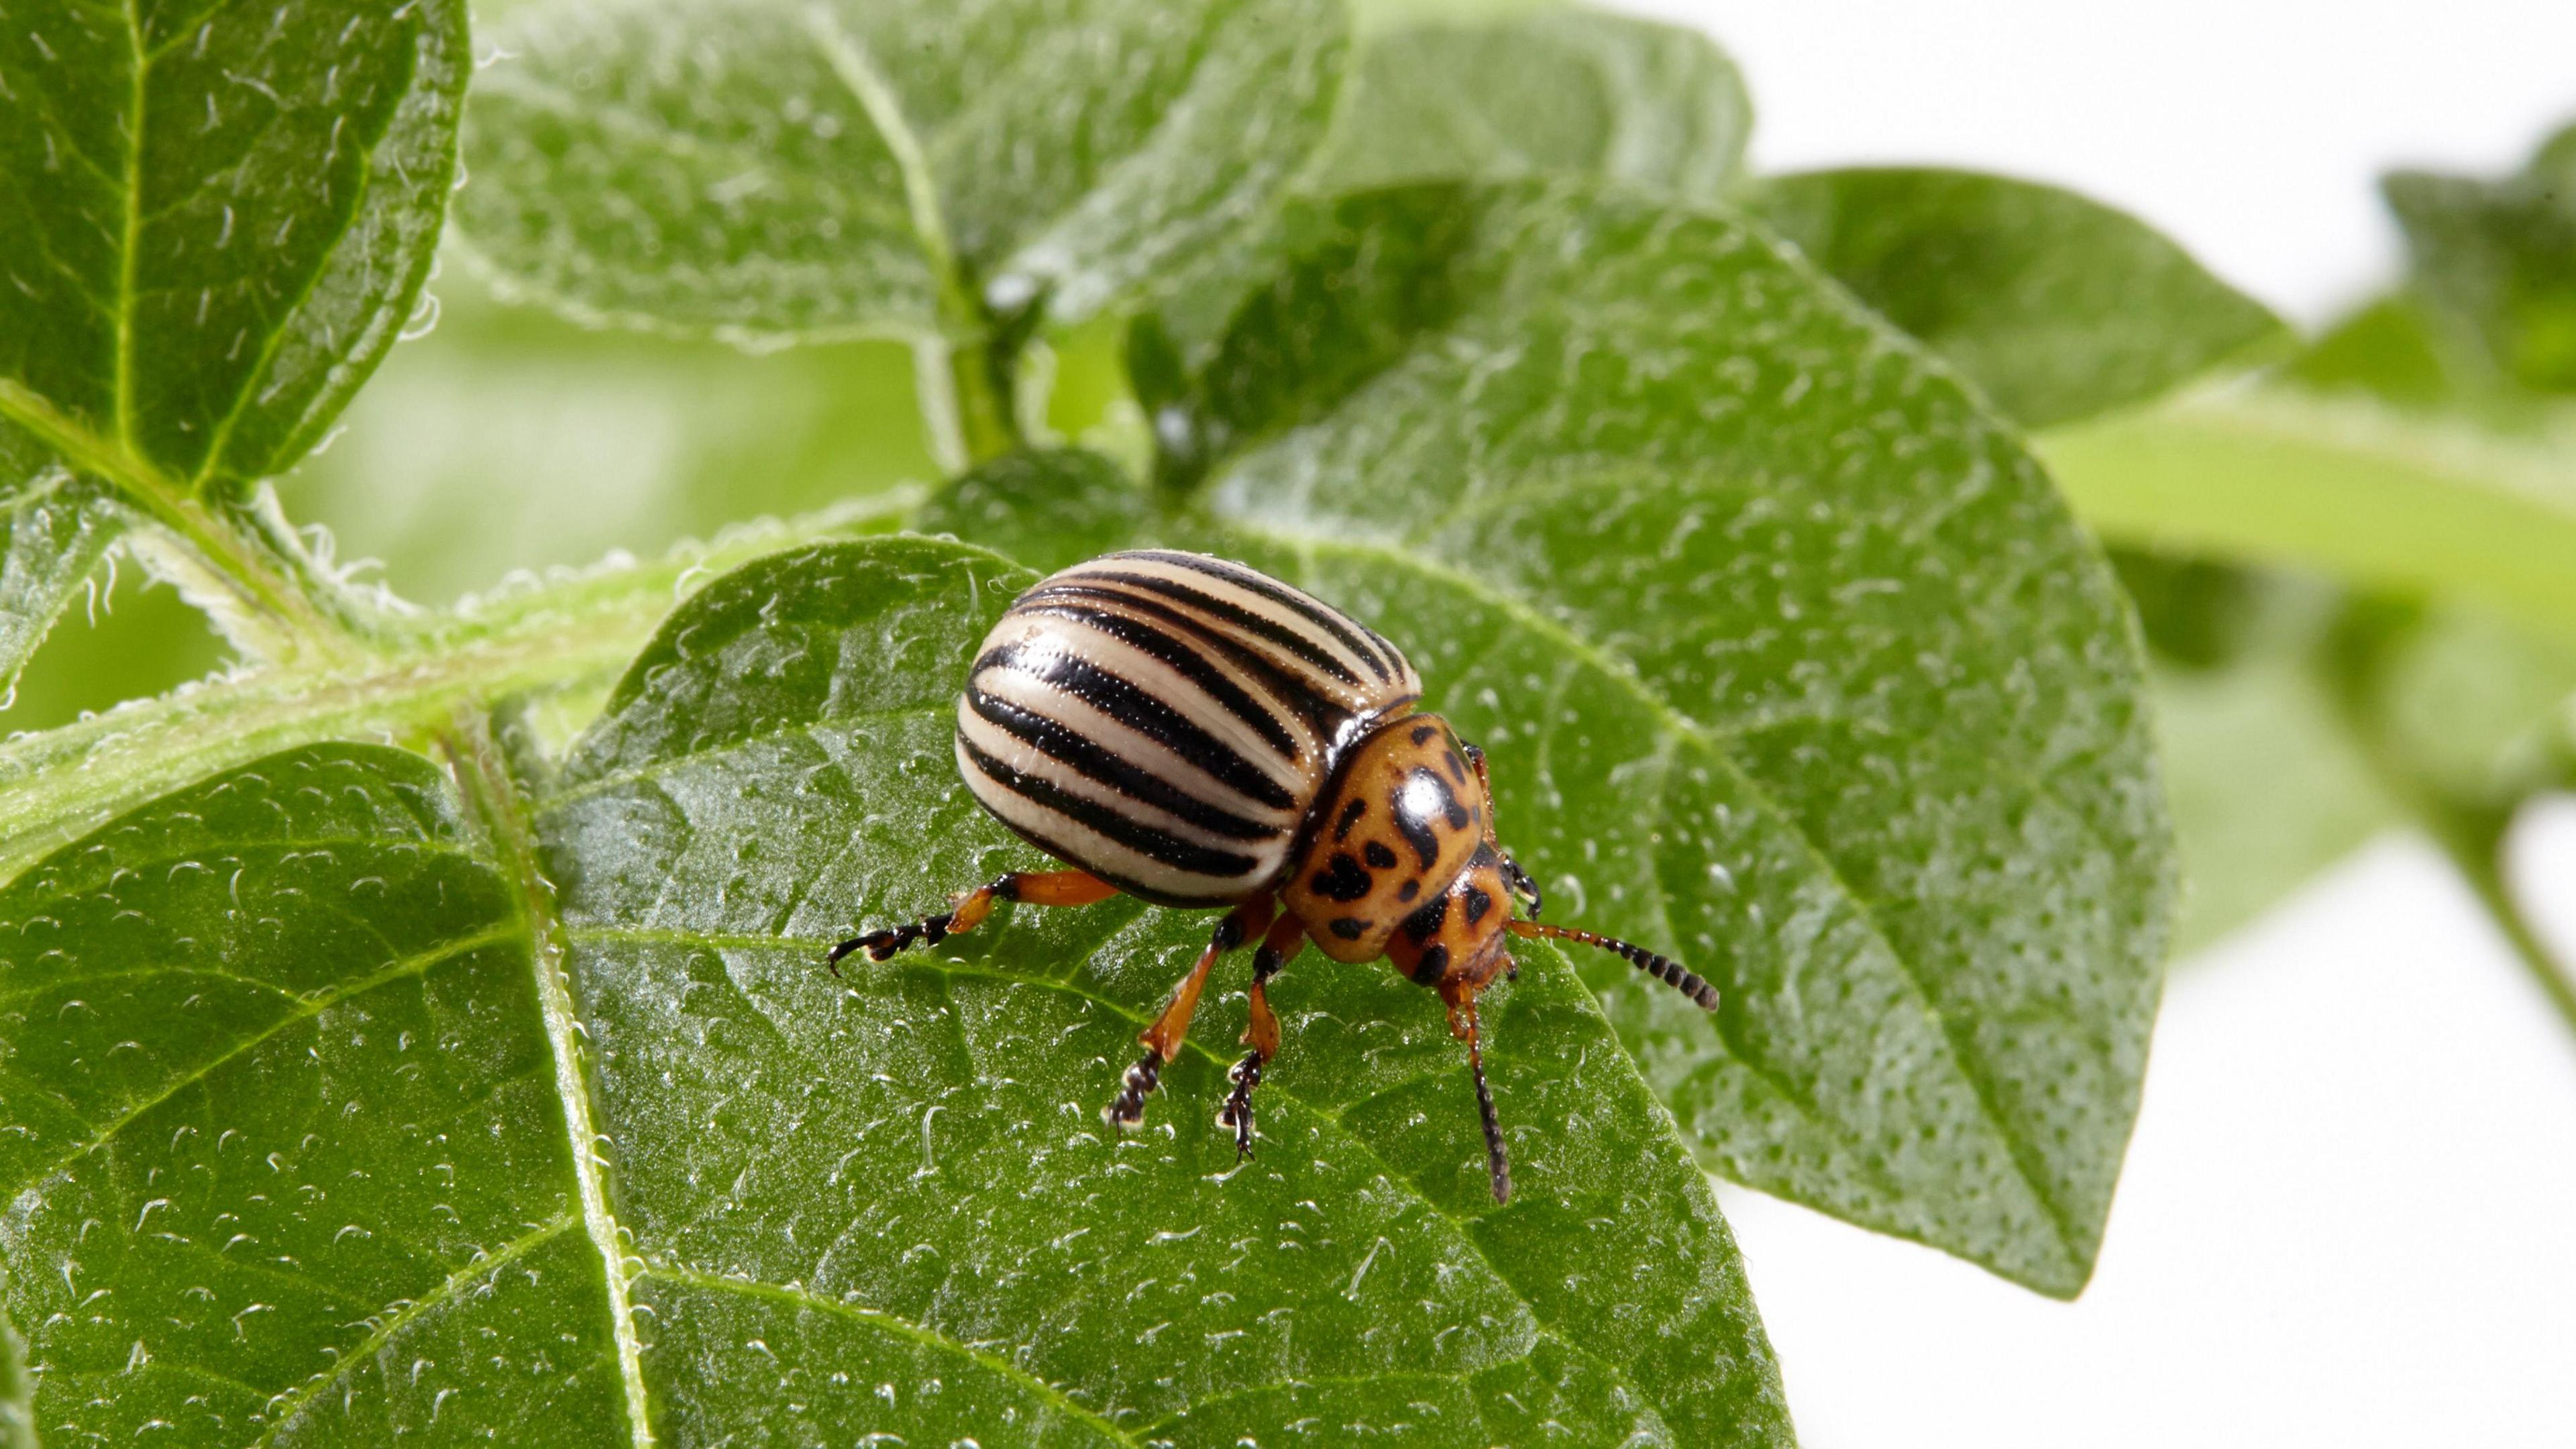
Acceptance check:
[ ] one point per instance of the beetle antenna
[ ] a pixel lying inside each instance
(1662, 968)
(1495, 1163)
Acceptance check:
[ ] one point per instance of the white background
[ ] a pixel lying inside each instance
(2349, 1215)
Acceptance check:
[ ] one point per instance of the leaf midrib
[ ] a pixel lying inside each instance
(132, 224)
(492, 790)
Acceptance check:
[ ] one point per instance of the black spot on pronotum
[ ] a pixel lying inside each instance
(1425, 923)
(1350, 816)
(1477, 903)
(1408, 890)
(1414, 823)
(1346, 928)
(1377, 855)
(1423, 733)
(1433, 965)
(1341, 879)
(1457, 768)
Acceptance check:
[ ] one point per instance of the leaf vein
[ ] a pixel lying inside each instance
(895, 1324)
(659, 766)
(296, 1401)
(312, 1007)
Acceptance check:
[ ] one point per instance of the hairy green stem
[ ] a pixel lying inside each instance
(257, 586)
(987, 424)
(2478, 854)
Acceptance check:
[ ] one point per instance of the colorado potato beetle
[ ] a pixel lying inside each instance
(1189, 731)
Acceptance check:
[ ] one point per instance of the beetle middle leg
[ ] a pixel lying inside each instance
(1287, 937)
(1031, 887)
(1169, 1029)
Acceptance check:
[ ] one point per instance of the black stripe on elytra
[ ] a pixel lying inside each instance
(1332, 621)
(1236, 616)
(1293, 692)
(1393, 655)
(1161, 846)
(1132, 705)
(1183, 660)
(1097, 762)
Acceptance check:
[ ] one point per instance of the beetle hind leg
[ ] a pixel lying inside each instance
(1163, 1038)
(1261, 1032)
(1032, 887)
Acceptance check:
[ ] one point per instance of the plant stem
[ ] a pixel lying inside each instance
(2476, 850)
(2471, 833)
(987, 425)
(252, 583)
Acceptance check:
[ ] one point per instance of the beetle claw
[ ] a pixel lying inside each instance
(1127, 1109)
(1237, 1111)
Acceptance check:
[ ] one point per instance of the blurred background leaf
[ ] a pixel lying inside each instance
(508, 439)
(2060, 307)
(1538, 92)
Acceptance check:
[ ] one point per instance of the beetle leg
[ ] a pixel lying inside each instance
(1163, 1039)
(1032, 887)
(1287, 937)
(1462, 1025)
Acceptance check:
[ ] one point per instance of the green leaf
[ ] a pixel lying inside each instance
(1048, 510)
(2268, 785)
(1789, 661)
(2369, 495)
(283, 1147)
(53, 529)
(2476, 708)
(2385, 348)
(216, 221)
(2496, 263)
(2194, 614)
(2059, 307)
(775, 172)
(511, 439)
(371, 1039)
(1554, 92)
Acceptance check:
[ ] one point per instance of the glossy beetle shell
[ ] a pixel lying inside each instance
(1167, 721)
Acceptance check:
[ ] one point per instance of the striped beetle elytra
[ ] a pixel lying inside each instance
(1194, 733)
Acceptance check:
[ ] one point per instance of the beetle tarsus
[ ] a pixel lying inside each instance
(1237, 1111)
(881, 945)
(1037, 888)
(1127, 1109)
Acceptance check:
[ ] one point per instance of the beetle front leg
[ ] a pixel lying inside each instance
(1032, 887)
(1163, 1039)
(1261, 1033)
